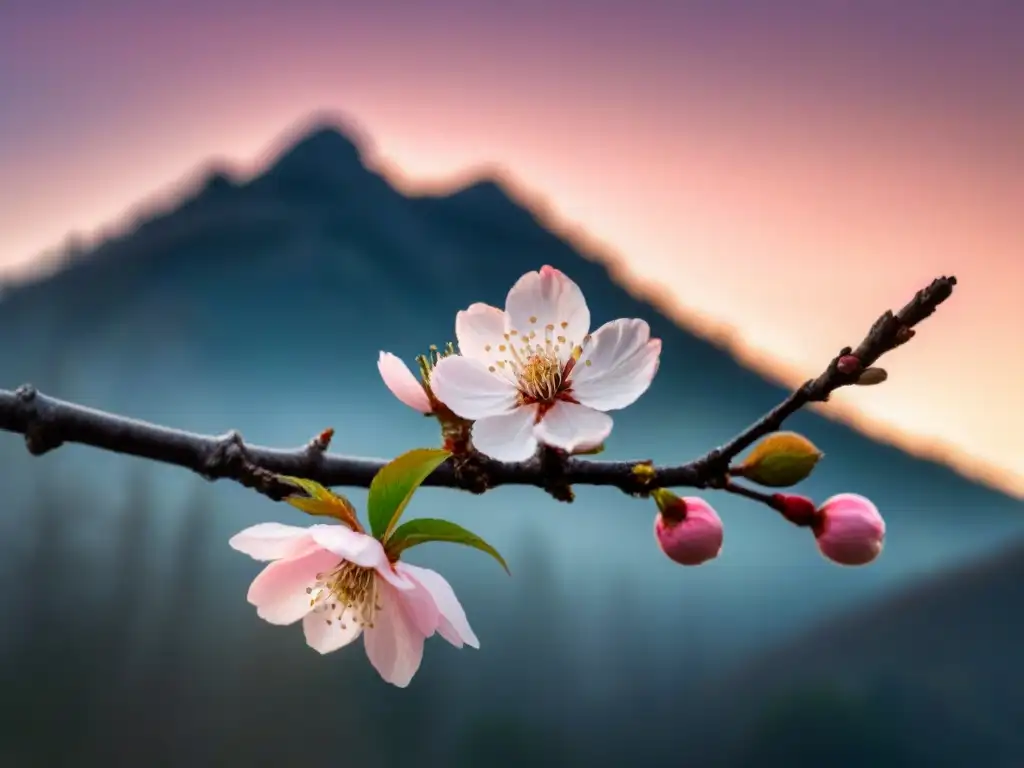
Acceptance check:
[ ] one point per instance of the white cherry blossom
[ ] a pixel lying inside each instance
(533, 374)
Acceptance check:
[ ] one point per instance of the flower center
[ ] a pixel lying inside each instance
(540, 377)
(346, 595)
(536, 364)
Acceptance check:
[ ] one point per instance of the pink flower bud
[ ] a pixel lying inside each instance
(799, 510)
(848, 364)
(849, 530)
(688, 530)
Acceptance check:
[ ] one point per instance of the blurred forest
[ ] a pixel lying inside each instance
(144, 668)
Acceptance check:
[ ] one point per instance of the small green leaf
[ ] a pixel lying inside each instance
(320, 500)
(590, 451)
(424, 529)
(393, 486)
(780, 460)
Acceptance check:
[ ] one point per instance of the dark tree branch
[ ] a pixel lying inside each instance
(47, 423)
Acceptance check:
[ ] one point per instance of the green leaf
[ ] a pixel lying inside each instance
(319, 500)
(424, 529)
(590, 451)
(394, 485)
(781, 460)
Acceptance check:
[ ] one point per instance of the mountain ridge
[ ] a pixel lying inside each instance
(932, 651)
(326, 155)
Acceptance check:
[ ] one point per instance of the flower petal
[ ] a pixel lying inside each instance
(453, 625)
(402, 382)
(548, 302)
(419, 602)
(472, 391)
(360, 549)
(323, 636)
(570, 426)
(479, 331)
(279, 591)
(357, 548)
(270, 541)
(508, 437)
(394, 644)
(617, 366)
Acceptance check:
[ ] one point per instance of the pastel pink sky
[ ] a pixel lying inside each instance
(787, 173)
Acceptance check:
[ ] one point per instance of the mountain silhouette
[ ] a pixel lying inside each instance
(927, 676)
(261, 304)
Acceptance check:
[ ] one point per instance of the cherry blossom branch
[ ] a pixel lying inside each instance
(47, 423)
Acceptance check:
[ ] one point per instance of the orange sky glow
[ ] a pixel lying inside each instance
(784, 217)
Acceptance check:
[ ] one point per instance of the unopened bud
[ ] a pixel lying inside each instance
(848, 364)
(872, 376)
(799, 510)
(780, 460)
(688, 530)
(849, 530)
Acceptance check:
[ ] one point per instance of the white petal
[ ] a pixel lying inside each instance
(508, 437)
(270, 541)
(479, 331)
(548, 298)
(617, 366)
(357, 548)
(402, 383)
(572, 427)
(469, 389)
(323, 637)
(394, 644)
(453, 625)
(279, 591)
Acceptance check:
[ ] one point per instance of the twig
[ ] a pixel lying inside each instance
(47, 423)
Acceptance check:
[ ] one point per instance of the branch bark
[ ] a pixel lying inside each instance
(47, 423)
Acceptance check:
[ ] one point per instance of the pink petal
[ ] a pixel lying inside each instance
(279, 591)
(617, 366)
(571, 427)
(270, 541)
(479, 331)
(472, 391)
(402, 383)
(394, 644)
(548, 298)
(508, 437)
(324, 637)
(453, 625)
(419, 602)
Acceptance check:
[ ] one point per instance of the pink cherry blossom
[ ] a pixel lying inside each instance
(849, 530)
(403, 383)
(533, 374)
(340, 584)
(688, 529)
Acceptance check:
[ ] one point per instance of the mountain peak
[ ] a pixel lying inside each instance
(324, 152)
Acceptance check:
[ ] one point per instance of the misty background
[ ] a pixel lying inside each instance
(125, 636)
